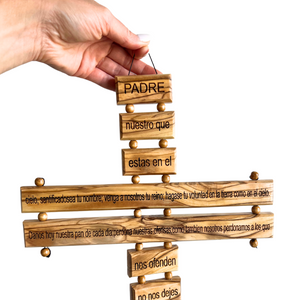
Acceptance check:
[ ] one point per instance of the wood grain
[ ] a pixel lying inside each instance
(132, 196)
(149, 161)
(119, 230)
(157, 289)
(146, 126)
(152, 261)
(139, 89)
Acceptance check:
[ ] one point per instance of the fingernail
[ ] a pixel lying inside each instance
(144, 37)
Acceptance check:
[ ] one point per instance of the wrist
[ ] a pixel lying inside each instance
(20, 33)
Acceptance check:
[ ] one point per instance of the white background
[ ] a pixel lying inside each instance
(235, 68)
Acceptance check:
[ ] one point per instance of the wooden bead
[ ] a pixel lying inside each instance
(254, 176)
(168, 245)
(256, 210)
(135, 179)
(42, 217)
(254, 243)
(161, 107)
(39, 181)
(163, 143)
(133, 144)
(137, 213)
(139, 247)
(168, 275)
(129, 108)
(165, 178)
(45, 252)
(141, 279)
(167, 212)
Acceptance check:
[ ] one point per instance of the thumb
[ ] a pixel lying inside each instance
(120, 34)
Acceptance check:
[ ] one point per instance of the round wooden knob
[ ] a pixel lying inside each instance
(254, 176)
(45, 252)
(161, 107)
(168, 275)
(42, 217)
(39, 181)
(165, 178)
(133, 144)
(137, 213)
(141, 279)
(135, 179)
(168, 245)
(163, 143)
(256, 210)
(167, 212)
(129, 108)
(254, 243)
(139, 246)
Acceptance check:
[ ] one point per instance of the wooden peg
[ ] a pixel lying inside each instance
(45, 252)
(129, 108)
(256, 210)
(135, 179)
(141, 279)
(168, 245)
(139, 246)
(42, 217)
(133, 144)
(254, 243)
(163, 143)
(161, 107)
(39, 181)
(168, 275)
(254, 176)
(137, 213)
(167, 212)
(165, 178)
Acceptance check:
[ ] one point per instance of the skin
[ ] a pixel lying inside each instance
(78, 37)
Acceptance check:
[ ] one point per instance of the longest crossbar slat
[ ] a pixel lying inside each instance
(161, 195)
(118, 230)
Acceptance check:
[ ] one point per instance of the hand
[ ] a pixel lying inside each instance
(82, 38)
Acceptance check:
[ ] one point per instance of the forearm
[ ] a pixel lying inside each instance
(20, 36)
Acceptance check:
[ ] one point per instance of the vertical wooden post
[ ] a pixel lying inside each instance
(42, 217)
(255, 209)
(165, 179)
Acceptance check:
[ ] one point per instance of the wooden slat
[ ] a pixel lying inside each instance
(131, 196)
(145, 126)
(152, 261)
(163, 289)
(149, 161)
(119, 230)
(139, 89)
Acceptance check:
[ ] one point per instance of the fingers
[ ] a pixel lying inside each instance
(121, 57)
(109, 67)
(139, 53)
(112, 68)
(103, 79)
(104, 60)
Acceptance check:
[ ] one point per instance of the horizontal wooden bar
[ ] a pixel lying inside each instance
(138, 89)
(149, 161)
(119, 230)
(151, 195)
(146, 126)
(163, 289)
(152, 261)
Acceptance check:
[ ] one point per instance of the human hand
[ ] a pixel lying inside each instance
(82, 38)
